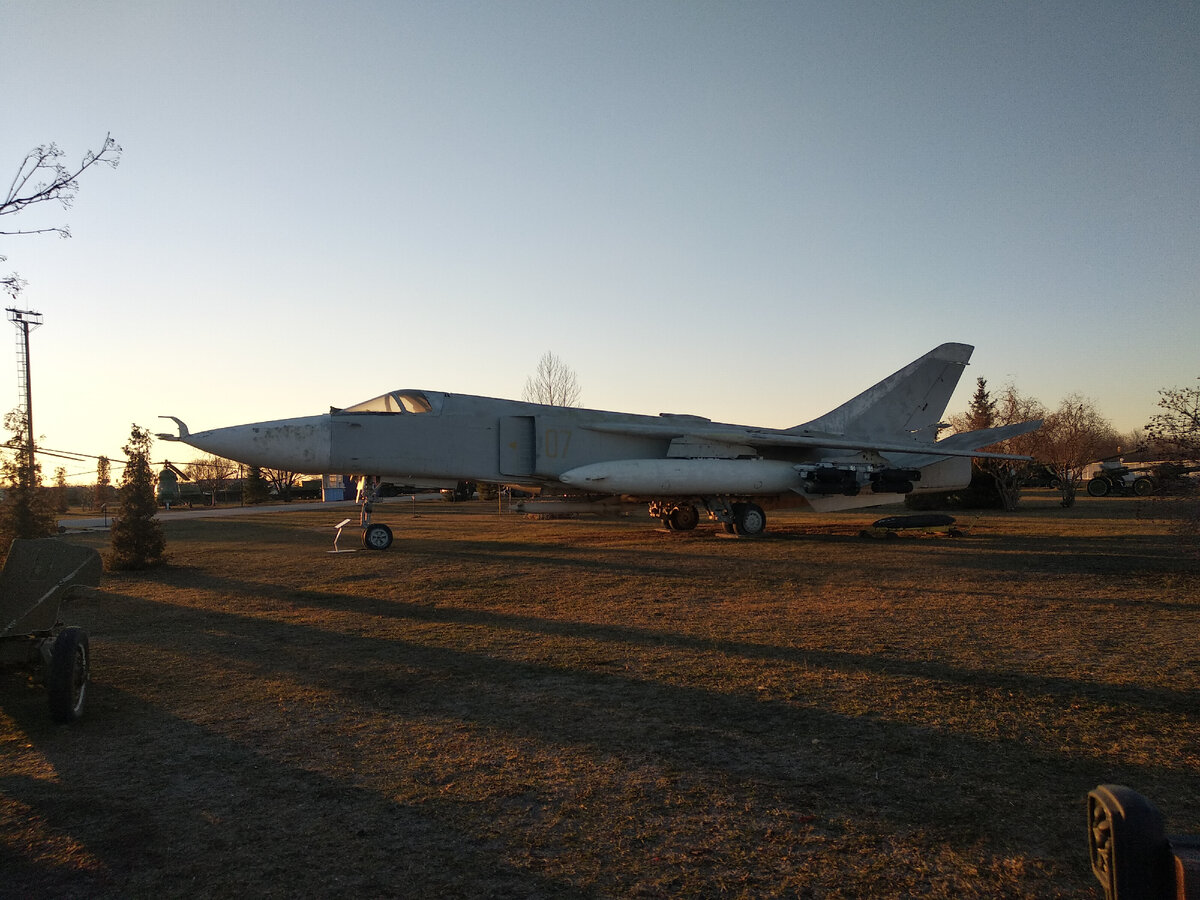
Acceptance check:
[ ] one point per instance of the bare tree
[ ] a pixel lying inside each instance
(42, 178)
(1132, 441)
(1070, 439)
(211, 473)
(1177, 428)
(1176, 432)
(553, 383)
(282, 481)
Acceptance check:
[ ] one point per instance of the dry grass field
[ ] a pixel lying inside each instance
(499, 707)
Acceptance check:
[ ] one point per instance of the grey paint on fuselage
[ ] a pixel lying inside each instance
(486, 439)
(870, 450)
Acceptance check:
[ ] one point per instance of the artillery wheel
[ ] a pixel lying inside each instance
(748, 519)
(1143, 486)
(70, 671)
(1098, 487)
(377, 536)
(683, 518)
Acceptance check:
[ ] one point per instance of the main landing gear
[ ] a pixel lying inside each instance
(680, 518)
(748, 520)
(742, 518)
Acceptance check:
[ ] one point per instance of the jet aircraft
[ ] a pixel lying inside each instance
(871, 450)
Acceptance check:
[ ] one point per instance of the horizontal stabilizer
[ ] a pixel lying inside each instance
(985, 437)
(968, 443)
(183, 431)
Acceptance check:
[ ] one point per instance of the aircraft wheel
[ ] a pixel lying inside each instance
(1143, 487)
(748, 519)
(684, 518)
(377, 536)
(70, 671)
(1098, 487)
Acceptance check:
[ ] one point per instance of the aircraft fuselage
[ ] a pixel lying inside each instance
(872, 449)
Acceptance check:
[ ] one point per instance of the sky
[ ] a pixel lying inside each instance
(750, 211)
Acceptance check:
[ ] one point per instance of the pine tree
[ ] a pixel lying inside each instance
(103, 481)
(26, 510)
(137, 539)
(254, 488)
(61, 502)
(982, 411)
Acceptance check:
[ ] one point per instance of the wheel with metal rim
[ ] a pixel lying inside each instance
(1098, 487)
(1143, 487)
(70, 672)
(684, 518)
(748, 519)
(377, 536)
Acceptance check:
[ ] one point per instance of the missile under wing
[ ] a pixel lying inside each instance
(871, 450)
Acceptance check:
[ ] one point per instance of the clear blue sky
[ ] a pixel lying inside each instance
(749, 211)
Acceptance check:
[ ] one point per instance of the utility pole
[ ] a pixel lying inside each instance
(26, 320)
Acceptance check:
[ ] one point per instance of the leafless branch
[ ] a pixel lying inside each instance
(42, 177)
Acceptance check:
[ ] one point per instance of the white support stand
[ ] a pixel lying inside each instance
(339, 526)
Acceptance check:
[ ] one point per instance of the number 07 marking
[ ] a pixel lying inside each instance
(556, 443)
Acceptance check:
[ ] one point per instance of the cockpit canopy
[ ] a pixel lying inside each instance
(400, 402)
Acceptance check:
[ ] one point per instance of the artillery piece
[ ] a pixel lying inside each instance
(1117, 479)
(39, 576)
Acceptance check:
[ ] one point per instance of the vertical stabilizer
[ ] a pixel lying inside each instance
(909, 402)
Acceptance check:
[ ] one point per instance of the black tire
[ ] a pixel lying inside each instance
(1143, 486)
(749, 519)
(377, 536)
(1098, 487)
(684, 518)
(70, 672)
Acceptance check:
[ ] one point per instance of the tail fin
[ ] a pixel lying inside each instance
(911, 401)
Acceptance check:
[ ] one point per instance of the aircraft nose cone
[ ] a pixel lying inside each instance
(295, 445)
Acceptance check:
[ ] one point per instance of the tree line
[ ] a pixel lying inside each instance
(1073, 437)
(30, 511)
